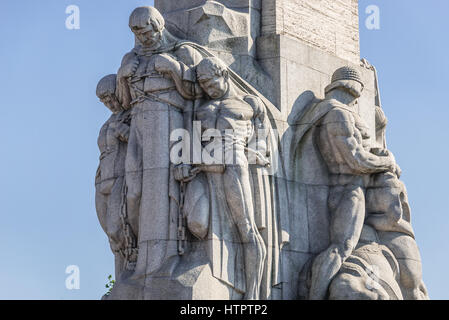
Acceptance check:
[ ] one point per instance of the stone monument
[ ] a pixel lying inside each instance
(246, 158)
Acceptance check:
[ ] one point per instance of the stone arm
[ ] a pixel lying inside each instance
(339, 130)
(98, 176)
(102, 137)
(122, 132)
(182, 70)
(259, 111)
(261, 134)
(101, 147)
(129, 65)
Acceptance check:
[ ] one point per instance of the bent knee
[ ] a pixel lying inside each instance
(344, 250)
(411, 273)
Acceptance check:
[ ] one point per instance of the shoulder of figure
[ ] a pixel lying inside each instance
(188, 54)
(105, 125)
(338, 112)
(339, 122)
(130, 55)
(255, 102)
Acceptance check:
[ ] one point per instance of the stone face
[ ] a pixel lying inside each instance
(239, 164)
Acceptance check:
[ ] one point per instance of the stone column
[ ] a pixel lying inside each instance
(303, 42)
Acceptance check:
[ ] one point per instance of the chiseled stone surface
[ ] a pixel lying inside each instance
(330, 25)
(292, 193)
(229, 28)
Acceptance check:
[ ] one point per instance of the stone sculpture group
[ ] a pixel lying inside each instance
(196, 185)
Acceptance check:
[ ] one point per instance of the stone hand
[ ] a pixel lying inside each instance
(165, 64)
(122, 132)
(184, 173)
(394, 168)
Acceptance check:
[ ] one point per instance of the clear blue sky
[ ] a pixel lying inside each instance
(51, 120)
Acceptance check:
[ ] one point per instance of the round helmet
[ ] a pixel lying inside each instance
(347, 73)
(344, 78)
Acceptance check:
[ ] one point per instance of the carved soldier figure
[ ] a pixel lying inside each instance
(154, 80)
(343, 140)
(109, 182)
(388, 215)
(237, 117)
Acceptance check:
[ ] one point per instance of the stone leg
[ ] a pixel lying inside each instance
(347, 286)
(347, 207)
(406, 252)
(239, 198)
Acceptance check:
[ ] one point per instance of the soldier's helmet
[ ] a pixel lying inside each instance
(347, 73)
(344, 78)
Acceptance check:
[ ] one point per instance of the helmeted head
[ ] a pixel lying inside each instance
(213, 76)
(106, 93)
(147, 24)
(347, 79)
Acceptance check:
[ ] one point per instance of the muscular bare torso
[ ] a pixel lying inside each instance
(233, 118)
(344, 142)
(232, 113)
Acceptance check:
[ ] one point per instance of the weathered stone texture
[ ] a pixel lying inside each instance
(297, 67)
(330, 25)
(253, 230)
